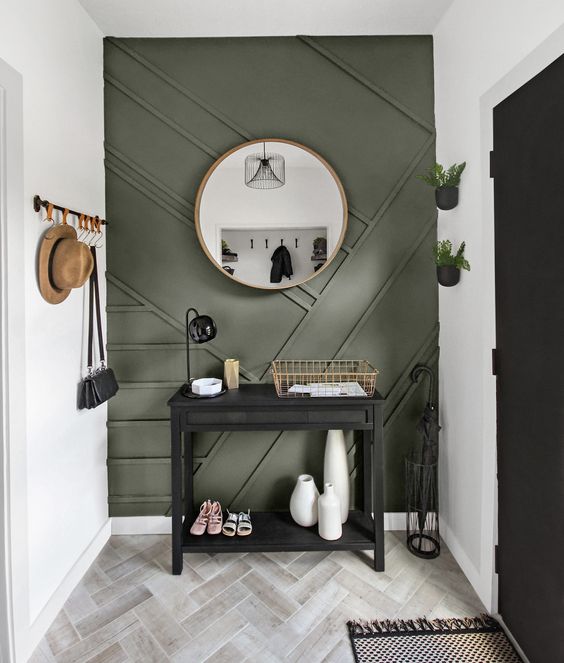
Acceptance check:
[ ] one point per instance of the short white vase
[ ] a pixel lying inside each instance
(329, 508)
(336, 470)
(303, 503)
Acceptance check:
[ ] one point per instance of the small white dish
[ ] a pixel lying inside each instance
(207, 386)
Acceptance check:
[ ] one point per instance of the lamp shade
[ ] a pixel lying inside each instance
(265, 171)
(202, 329)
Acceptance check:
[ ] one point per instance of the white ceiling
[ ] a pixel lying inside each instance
(238, 18)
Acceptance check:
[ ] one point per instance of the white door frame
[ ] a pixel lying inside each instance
(14, 610)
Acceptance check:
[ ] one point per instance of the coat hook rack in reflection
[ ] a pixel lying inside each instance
(296, 240)
(252, 242)
(266, 242)
(38, 204)
(281, 242)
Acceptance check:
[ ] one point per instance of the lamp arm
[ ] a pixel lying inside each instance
(188, 377)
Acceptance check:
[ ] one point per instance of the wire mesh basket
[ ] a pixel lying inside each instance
(310, 378)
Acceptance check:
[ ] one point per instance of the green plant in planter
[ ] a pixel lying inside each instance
(445, 257)
(445, 183)
(438, 177)
(448, 263)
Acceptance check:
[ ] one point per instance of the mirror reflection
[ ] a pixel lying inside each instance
(271, 213)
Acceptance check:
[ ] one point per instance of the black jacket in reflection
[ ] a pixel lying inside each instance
(281, 265)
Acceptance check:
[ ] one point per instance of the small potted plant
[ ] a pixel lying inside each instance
(449, 264)
(445, 183)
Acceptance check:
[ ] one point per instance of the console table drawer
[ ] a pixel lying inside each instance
(246, 418)
(357, 416)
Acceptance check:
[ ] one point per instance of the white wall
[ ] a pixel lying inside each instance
(12, 354)
(246, 18)
(58, 51)
(483, 51)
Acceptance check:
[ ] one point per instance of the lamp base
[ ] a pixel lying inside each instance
(188, 393)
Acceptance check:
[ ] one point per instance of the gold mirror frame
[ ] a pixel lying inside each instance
(211, 170)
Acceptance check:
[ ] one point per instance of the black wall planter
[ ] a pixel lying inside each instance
(446, 197)
(448, 275)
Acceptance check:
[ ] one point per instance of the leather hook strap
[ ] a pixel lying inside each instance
(49, 216)
(65, 214)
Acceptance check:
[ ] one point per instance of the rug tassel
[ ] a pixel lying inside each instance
(358, 627)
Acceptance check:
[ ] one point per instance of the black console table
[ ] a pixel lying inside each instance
(257, 407)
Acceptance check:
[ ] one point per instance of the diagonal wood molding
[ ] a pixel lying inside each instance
(164, 205)
(195, 79)
(169, 80)
(211, 348)
(148, 177)
(159, 115)
(378, 90)
(368, 230)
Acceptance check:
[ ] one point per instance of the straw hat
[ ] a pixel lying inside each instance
(64, 263)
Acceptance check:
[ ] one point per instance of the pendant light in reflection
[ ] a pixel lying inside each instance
(264, 170)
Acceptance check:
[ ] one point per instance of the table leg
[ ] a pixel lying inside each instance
(367, 471)
(378, 488)
(176, 491)
(188, 476)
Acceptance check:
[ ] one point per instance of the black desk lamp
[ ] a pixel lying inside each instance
(200, 329)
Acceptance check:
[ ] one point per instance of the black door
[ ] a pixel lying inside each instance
(528, 169)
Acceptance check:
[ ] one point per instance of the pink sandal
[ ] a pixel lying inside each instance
(201, 522)
(215, 521)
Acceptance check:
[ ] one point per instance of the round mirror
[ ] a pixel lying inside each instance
(271, 213)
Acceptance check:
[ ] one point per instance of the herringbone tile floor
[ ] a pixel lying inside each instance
(243, 607)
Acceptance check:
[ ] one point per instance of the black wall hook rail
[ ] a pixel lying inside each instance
(38, 204)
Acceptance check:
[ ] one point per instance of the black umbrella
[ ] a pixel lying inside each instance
(423, 492)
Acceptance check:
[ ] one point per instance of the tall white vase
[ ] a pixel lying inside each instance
(329, 508)
(303, 503)
(335, 469)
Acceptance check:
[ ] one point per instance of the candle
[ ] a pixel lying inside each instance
(231, 373)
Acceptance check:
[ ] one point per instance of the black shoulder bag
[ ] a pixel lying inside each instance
(100, 384)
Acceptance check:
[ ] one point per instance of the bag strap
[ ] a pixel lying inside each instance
(97, 299)
(90, 322)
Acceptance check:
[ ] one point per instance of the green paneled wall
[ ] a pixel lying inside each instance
(172, 107)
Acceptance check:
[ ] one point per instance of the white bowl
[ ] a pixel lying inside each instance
(207, 386)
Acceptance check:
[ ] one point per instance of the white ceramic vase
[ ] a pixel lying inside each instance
(329, 509)
(336, 470)
(303, 503)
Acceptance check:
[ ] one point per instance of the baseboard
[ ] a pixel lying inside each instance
(47, 615)
(141, 525)
(394, 521)
(162, 524)
(467, 566)
(511, 638)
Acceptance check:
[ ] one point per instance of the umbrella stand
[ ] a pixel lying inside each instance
(421, 480)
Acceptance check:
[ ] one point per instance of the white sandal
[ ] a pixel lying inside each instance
(230, 524)
(244, 525)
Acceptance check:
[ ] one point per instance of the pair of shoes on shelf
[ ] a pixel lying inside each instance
(210, 518)
(238, 523)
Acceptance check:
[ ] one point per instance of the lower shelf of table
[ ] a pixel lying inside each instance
(275, 531)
